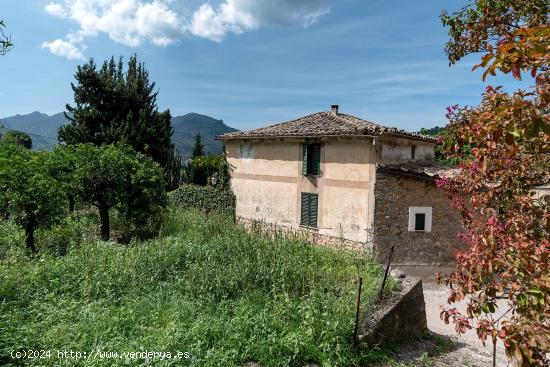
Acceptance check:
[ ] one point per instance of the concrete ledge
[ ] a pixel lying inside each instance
(401, 316)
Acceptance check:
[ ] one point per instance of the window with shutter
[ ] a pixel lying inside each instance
(309, 207)
(311, 164)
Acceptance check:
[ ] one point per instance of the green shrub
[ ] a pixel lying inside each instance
(202, 168)
(72, 232)
(198, 197)
(12, 239)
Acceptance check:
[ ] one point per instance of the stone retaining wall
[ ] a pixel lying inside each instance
(402, 316)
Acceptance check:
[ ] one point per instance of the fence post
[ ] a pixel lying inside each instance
(357, 310)
(385, 274)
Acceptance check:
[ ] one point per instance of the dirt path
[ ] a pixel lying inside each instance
(446, 349)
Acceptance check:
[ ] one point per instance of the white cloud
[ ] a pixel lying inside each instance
(240, 15)
(135, 22)
(56, 10)
(63, 48)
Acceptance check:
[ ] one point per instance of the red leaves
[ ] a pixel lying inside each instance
(526, 49)
(507, 231)
(506, 140)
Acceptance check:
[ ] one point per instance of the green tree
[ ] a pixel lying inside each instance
(62, 167)
(113, 105)
(198, 147)
(118, 177)
(5, 41)
(28, 194)
(18, 138)
(173, 171)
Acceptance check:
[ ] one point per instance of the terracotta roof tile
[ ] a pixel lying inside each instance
(426, 169)
(323, 124)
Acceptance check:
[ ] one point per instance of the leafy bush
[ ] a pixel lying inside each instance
(72, 232)
(195, 196)
(28, 194)
(12, 238)
(201, 169)
(17, 138)
(206, 287)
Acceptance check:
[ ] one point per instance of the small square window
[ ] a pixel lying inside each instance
(420, 219)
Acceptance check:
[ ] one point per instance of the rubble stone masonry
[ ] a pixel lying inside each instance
(394, 194)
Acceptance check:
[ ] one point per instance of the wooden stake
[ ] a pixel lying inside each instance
(357, 310)
(385, 275)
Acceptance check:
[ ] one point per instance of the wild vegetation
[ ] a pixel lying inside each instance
(507, 225)
(206, 287)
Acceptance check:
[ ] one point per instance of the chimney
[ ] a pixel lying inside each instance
(334, 109)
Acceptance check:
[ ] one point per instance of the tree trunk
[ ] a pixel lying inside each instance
(104, 218)
(29, 237)
(71, 203)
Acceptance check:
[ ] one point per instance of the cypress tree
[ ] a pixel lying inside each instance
(114, 105)
(198, 148)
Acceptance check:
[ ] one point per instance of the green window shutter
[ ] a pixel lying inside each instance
(315, 152)
(304, 160)
(309, 207)
(304, 218)
(313, 204)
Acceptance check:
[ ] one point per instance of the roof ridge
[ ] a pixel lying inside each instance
(324, 123)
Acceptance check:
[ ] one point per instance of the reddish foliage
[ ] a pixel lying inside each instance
(507, 224)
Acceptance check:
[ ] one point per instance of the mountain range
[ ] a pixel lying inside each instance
(42, 129)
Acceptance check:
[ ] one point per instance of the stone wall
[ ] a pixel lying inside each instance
(394, 194)
(400, 317)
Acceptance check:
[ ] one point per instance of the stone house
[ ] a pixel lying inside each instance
(347, 182)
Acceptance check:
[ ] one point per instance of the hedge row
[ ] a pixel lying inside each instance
(195, 196)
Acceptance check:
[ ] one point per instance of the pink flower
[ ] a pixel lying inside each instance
(441, 182)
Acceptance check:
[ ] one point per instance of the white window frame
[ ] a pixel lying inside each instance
(427, 211)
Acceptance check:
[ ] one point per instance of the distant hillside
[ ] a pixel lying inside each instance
(43, 130)
(187, 126)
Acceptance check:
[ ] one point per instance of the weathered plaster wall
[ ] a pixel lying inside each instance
(345, 189)
(267, 181)
(399, 150)
(394, 194)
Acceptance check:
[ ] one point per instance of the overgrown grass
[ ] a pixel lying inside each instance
(208, 288)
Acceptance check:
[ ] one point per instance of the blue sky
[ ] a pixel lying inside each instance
(248, 62)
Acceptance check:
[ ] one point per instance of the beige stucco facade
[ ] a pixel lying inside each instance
(357, 185)
(267, 181)
(395, 150)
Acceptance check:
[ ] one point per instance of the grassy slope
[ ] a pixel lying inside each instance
(210, 289)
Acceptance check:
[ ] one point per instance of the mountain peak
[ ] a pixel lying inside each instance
(186, 127)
